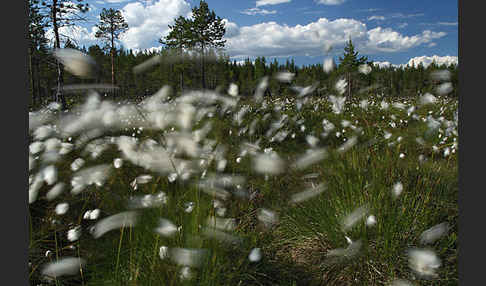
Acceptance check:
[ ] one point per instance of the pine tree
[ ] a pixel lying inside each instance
(62, 13)
(111, 26)
(204, 30)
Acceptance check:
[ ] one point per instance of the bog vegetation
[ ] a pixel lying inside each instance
(271, 175)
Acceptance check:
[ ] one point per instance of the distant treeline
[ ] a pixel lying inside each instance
(182, 71)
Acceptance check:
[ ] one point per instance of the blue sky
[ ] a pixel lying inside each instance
(385, 31)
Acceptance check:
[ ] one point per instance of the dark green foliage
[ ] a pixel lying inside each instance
(111, 26)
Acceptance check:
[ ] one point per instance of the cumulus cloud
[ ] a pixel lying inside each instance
(383, 64)
(380, 18)
(77, 34)
(270, 2)
(387, 40)
(271, 39)
(147, 24)
(254, 11)
(427, 60)
(330, 2)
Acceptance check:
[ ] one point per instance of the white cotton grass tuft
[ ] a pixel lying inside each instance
(341, 85)
(348, 144)
(74, 233)
(62, 208)
(233, 89)
(192, 257)
(64, 266)
(255, 255)
(424, 262)
(400, 282)
(267, 217)
(285, 76)
(337, 103)
(440, 75)
(36, 147)
(311, 157)
(434, 233)
(364, 69)
(427, 99)
(123, 219)
(49, 174)
(351, 219)
(34, 188)
(397, 189)
(328, 65)
(220, 235)
(270, 164)
(226, 224)
(307, 194)
(166, 228)
(91, 214)
(76, 62)
(364, 104)
(55, 191)
(371, 220)
(118, 163)
(77, 164)
(444, 88)
(163, 252)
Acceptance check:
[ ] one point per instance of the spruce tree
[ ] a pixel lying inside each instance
(349, 64)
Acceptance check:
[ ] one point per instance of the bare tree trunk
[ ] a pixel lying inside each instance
(60, 74)
(31, 73)
(203, 78)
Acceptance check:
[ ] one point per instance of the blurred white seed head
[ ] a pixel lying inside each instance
(364, 69)
(423, 262)
(123, 219)
(233, 89)
(74, 234)
(118, 163)
(166, 228)
(255, 255)
(371, 220)
(427, 99)
(397, 189)
(351, 219)
(55, 191)
(444, 88)
(328, 65)
(62, 208)
(75, 62)
(341, 85)
(434, 233)
(77, 164)
(64, 266)
(163, 252)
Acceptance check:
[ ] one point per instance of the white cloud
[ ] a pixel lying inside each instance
(426, 60)
(402, 25)
(447, 23)
(270, 2)
(432, 45)
(403, 16)
(115, 1)
(387, 40)
(254, 11)
(330, 2)
(80, 35)
(146, 24)
(380, 18)
(271, 39)
(383, 64)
